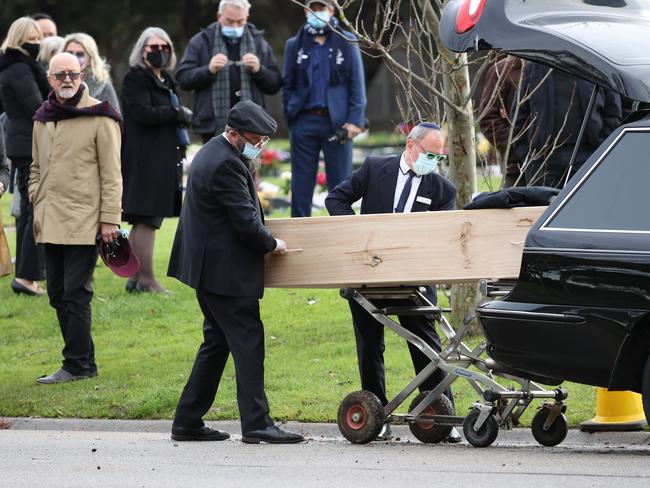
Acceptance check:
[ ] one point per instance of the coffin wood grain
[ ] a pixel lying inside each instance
(400, 249)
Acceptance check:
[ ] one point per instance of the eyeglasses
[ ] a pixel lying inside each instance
(73, 75)
(79, 54)
(431, 156)
(261, 142)
(159, 47)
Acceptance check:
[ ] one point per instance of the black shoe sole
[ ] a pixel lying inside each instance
(188, 438)
(257, 440)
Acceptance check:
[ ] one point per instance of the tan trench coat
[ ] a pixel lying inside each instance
(75, 181)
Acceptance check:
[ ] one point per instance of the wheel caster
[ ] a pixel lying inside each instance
(431, 433)
(553, 434)
(360, 417)
(484, 436)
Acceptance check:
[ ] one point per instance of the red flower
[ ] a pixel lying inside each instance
(269, 156)
(321, 179)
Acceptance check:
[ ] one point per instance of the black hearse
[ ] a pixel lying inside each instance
(580, 309)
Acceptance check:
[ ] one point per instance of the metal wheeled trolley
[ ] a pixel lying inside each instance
(431, 414)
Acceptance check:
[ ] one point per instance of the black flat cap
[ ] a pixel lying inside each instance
(250, 117)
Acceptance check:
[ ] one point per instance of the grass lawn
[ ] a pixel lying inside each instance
(145, 346)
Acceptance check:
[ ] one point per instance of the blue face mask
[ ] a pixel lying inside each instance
(427, 162)
(232, 32)
(250, 151)
(318, 20)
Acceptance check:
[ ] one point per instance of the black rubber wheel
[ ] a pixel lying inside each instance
(360, 417)
(486, 435)
(645, 390)
(432, 433)
(555, 434)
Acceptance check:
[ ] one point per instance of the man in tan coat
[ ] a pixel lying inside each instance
(75, 187)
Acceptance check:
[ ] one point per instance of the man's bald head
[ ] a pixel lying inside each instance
(66, 60)
(64, 75)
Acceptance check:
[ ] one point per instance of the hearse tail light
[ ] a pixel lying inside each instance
(468, 15)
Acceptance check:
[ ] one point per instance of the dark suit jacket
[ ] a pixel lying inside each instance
(221, 240)
(375, 182)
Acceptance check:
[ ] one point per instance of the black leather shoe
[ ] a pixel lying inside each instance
(205, 433)
(453, 437)
(273, 435)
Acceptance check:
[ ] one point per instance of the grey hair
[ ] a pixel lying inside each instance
(245, 4)
(419, 132)
(136, 60)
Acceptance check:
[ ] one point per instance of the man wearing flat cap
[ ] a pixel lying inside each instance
(219, 251)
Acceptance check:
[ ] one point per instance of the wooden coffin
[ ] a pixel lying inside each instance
(400, 249)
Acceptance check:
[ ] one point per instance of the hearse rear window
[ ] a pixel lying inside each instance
(615, 197)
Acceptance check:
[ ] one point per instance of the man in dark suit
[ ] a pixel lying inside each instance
(397, 184)
(219, 251)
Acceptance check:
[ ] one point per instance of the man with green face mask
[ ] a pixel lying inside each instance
(227, 62)
(397, 184)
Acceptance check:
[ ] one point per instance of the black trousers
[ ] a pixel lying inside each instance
(231, 324)
(369, 335)
(29, 256)
(69, 274)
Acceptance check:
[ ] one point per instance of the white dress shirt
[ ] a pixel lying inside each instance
(402, 176)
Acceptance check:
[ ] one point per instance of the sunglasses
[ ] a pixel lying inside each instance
(79, 54)
(71, 74)
(159, 47)
(431, 156)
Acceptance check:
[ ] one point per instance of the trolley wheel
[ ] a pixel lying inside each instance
(555, 433)
(360, 417)
(432, 433)
(486, 435)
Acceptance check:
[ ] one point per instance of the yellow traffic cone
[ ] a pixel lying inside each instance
(616, 410)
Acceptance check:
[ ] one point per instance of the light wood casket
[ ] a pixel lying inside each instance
(400, 249)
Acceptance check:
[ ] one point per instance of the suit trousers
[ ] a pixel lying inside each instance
(30, 260)
(231, 324)
(309, 134)
(369, 335)
(69, 274)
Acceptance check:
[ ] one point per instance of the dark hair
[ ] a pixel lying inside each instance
(41, 16)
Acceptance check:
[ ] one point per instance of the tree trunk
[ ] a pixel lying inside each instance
(462, 156)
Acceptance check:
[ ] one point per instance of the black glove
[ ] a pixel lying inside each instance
(185, 116)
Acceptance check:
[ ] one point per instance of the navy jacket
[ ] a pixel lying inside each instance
(375, 182)
(221, 240)
(346, 100)
(193, 75)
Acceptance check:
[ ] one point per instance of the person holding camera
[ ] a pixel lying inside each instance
(227, 62)
(324, 93)
(155, 139)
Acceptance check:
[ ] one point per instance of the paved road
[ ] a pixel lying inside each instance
(140, 454)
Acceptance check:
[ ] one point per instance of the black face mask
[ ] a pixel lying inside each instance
(32, 49)
(157, 59)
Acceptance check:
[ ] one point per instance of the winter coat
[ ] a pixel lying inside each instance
(75, 182)
(151, 155)
(193, 75)
(23, 87)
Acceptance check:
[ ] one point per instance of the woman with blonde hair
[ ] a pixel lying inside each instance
(94, 67)
(23, 87)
